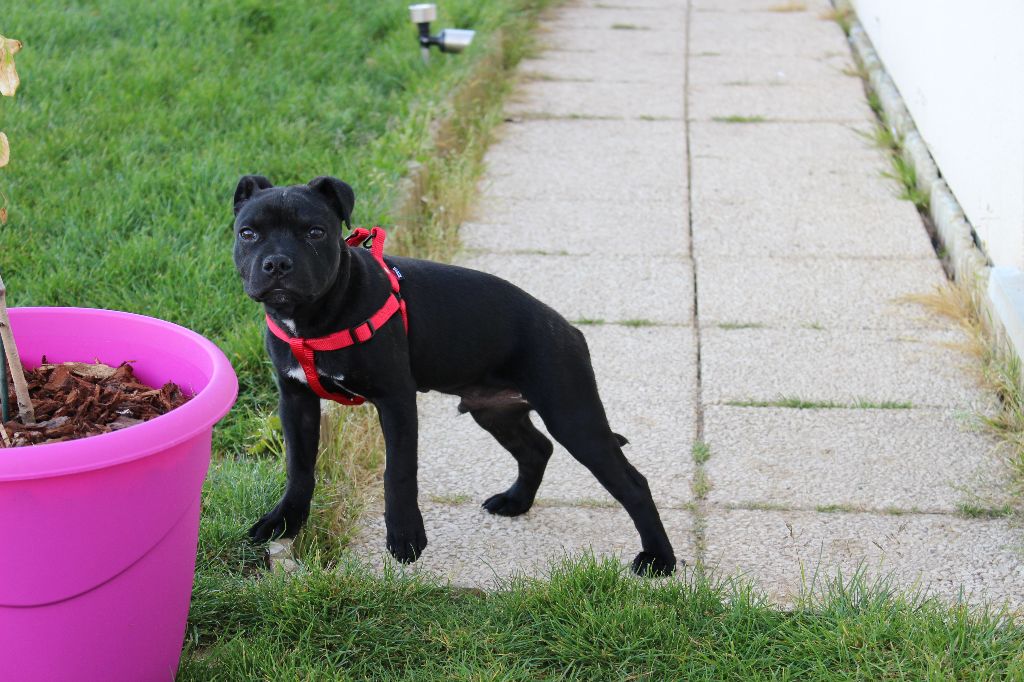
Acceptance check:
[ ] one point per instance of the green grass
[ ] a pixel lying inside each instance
(639, 322)
(591, 621)
(701, 452)
(834, 508)
(740, 325)
(739, 119)
(902, 171)
(794, 402)
(978, 511)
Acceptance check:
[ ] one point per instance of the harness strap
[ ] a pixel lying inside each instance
(305, 349)
(376, 237)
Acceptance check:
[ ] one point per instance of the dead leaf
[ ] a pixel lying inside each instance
(9, 80)
(3, 215)
(5, 150)
(91, 371)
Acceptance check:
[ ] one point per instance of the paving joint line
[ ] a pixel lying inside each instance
(833, 509)
(709, 506)
(699, 470)
(846, 122)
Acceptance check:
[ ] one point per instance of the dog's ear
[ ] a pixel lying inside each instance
(247, 186)
(338, 194)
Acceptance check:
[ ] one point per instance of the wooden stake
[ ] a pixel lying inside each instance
(28, 415)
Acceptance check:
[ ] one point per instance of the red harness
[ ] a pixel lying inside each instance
(304, 349)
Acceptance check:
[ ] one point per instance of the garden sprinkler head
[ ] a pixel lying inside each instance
(448, 40)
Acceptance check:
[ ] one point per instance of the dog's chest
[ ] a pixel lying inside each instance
(334, 374)
(331, 379)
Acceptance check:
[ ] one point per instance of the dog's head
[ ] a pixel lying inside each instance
(288, 240)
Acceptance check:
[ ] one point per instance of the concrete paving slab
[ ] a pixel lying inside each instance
(939, 553)
(739, 70)
(758, 163)
(794, 185)
(635, 287)
(654, 44)
(832, 292)
(921, 367)
(650, 401)
(885, 228)
(803, 34)
(573, 159)
(472, 548)
(772, 147)
(877, 460)
(813, 7)
(652, 19)
(578, 227)
(606, 100)
(841, 101)
(611, 67)
(632, 5)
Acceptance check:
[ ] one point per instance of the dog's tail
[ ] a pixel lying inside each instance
(622, 439)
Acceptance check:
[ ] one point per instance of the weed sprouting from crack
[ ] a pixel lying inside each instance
(740, 325)
(701, 452)
(736, 118)
(843, 17)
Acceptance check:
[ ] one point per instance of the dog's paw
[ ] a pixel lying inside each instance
(651, 565)
(504, 504)
(406, 543)
(282, 521)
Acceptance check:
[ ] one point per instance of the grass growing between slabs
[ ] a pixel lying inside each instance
(999, 370)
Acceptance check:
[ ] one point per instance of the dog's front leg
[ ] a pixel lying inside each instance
(300, 419)
(406, 537)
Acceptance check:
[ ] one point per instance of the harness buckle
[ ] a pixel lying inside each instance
(368, 323)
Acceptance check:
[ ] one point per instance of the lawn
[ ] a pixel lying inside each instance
(132, 125)
(591, 621)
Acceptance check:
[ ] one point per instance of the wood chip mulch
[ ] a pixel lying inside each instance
(75, 399)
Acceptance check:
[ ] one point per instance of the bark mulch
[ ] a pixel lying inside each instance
(76, 399)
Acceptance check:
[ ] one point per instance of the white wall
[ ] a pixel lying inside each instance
(959, 65)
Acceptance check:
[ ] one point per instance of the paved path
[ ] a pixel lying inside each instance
(713, 264)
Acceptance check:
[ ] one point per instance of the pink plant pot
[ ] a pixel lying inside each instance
(100, 533)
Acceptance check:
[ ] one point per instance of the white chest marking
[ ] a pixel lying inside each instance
(289, 325)
(299, 375)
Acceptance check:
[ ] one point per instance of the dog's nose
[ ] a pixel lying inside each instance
(277, 265)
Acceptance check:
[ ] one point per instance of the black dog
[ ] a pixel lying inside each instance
(469, 334)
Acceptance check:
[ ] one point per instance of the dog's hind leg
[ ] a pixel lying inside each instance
(564, 392)
(512, 428)
(588, 439)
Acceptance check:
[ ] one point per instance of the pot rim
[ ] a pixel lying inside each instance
(181, 424)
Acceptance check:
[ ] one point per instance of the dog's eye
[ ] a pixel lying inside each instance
(247, 234)
(316, 233)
